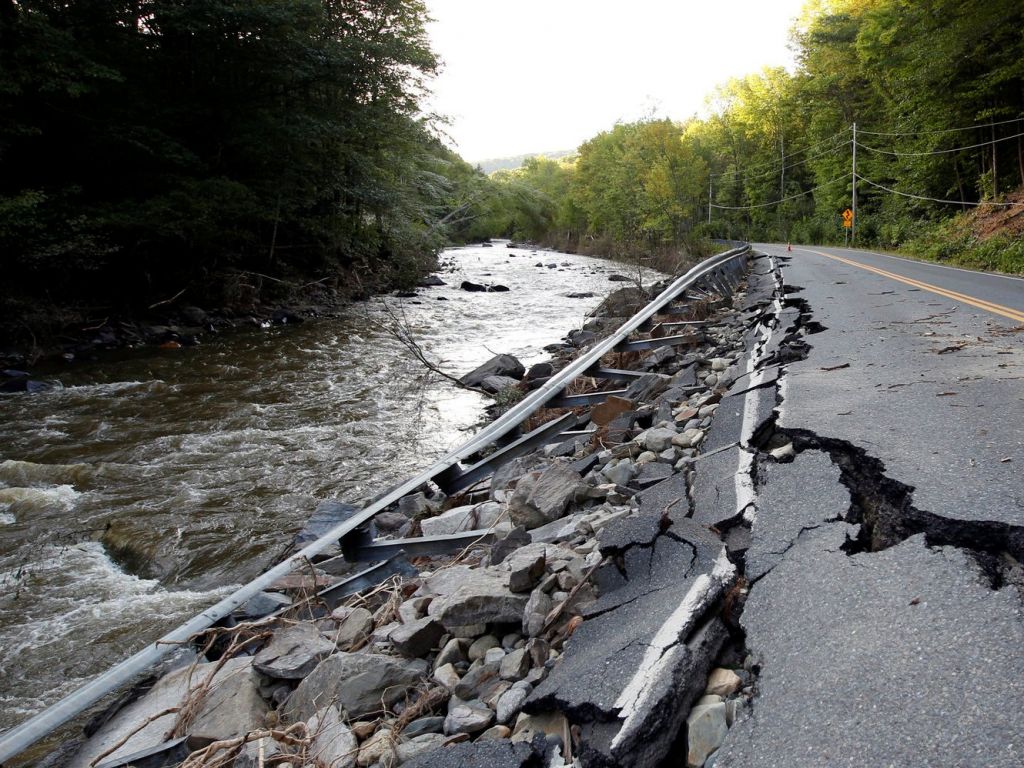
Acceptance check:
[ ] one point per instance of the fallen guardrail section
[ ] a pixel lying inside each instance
(589, 655)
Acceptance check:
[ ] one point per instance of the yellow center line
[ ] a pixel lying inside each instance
(998, 309)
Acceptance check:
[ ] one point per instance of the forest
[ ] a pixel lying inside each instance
(935, 88)
(161, 148)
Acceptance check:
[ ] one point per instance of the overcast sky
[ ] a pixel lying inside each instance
(544, 75)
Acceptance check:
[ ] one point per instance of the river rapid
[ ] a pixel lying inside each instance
(207, 460)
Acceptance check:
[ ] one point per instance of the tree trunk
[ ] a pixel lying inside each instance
(995, 167)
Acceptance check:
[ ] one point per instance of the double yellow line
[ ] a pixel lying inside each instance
(1013, 314)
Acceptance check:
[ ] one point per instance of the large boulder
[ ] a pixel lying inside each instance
(499, 365)
(231, 707)
(465, 597)
(542, 497)
(357, 683)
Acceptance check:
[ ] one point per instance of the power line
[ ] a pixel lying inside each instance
(947, 130)
(793, 154)
(935, 199)
(938, 151)
(781, 200)
(776, 170)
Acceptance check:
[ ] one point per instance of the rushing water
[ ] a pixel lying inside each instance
(207, 459)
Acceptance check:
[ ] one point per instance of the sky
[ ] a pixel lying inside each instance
(524, 76)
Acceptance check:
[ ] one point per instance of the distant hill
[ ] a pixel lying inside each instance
(508, 163)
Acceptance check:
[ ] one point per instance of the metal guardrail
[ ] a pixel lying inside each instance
(714, 272)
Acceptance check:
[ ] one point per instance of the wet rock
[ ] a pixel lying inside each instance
(354, 626)
(417, 638)
(263, 604)
(293, 652)
(723, 682)
(431, 281)
(466, 518)
(359, 683)
(333, 745)
(540, 371)
(499, 365)
(542, 497)
(468, 717)
(469, 285)
(618, 278)
(706, 729)
(465, 596)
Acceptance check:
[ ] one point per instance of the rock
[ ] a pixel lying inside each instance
(653, 473)
(535, 612)
(293, 651)
(496, 384)
(540, 371)
(431, 281)
(465, 596)
(478, 682)
(658, 438)
(419, 745)
(359, 683)
(468, 285)
(711, 380)
(468, 518)
(494, 656)
(232, 707)
(513, 540)
(453, 652)
(542, 497)
(354, 626)
(447, 676)
(417, 638)
(620, 473)
(470, 717)
(511, 702)
(515, 665)
(193, 315)
(647, 388)
(618, 278)
(414, 505)
(390, 521)
(525, 567)
(723, 682)
(480, 647)
(495, 732)
(422, 725)
(263, 604)
(379, 748)
(250, 757)
(603, 413)
(783, 453)
(499, 365)
(706, 729)
(719, 364)
(285, 316)
(333, 745)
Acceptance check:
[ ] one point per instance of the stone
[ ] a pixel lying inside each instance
(495, 732)
(419, 745)
(494, 656)
(465, 596)
(535, 612)
(412, 506)
(334, 745)
(706, 729)
(619, 474)
(526, 568)
(447, 676)
(354, 626)
(232, 707)
(719, 364)
(515, 665)
(413, 609)
(646, 458)
(499, 365)
(390, 521)
(422, 725)
(513, 540)
(468, 518)
(359, 683)
(496, 384)
(540, 371)
(723, 682)
(454, 651)
(478, 682)
(652, 474)
(711, 380)
(481, 646)
(379, 748)
(783, 452)
(603, 413)
(658, 438)
(542, 497)
(469, 717)
(249, 756)
(512, 700)
(263, 604)
(417, 638)
(293, 651)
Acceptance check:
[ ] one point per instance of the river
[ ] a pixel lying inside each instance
(208, 459)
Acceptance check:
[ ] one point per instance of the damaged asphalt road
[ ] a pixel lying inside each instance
(887, 529)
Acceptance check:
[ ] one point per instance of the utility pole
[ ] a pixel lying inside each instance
(853, 228)
(782, 180)
(710, 181)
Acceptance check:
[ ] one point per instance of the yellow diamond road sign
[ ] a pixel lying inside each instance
(847, 218)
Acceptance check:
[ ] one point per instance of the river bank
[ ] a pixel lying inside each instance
(208, 457)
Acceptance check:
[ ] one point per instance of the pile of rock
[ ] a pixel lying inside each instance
(454, 653)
